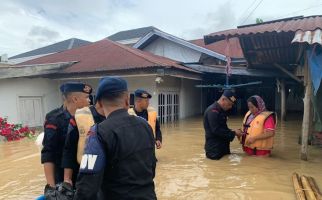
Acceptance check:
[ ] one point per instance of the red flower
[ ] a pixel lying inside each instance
(14, 131)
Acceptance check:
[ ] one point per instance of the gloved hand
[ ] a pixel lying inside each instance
(65, 191)
(50, 192)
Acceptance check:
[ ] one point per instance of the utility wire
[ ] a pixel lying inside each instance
(294, 12)
(252, 11)
(244, 13)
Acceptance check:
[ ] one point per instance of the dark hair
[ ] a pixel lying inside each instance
(114, 98)
(253, 101)
(66, 94)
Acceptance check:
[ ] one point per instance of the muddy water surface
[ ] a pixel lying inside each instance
(183, 172)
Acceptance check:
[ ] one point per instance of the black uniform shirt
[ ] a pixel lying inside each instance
(56, 126)
(120, 156)
(145, 115)
(218, 135)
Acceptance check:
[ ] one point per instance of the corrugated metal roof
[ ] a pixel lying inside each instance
(310, 37)
(220, 47)
(106, 55)
(241, 71)
(53, 48)
(282, 25)
(130, 34)
(263, 50)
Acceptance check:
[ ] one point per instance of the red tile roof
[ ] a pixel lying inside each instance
(106, 55)
(282, 25)
(220, 47)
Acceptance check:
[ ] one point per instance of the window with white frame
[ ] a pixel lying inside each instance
(168, 107)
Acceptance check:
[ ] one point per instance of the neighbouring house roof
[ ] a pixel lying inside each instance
(235, 49)
(155, 34)
(131, 36)
(240, 71)
(53, 48)
(310, 37)
(32, 70)
(292, 24)
(269, 44)
(106, 55)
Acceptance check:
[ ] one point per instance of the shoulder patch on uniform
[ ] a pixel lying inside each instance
(72, 121)
(93, 159)
(51, 126)
(215, 110)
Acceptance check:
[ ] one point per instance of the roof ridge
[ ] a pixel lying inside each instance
(71, 44)
(47, 46)
(135, 51)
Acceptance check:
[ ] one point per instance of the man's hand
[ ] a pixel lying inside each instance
(66, 191)
(68, 174)
(250, 140)
(50, 192)
(238, 132)
(158, 144)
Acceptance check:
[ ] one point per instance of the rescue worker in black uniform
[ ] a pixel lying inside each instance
(218, 135)
(142, 109)
(57, 124)
(69, 160)
(119, 155)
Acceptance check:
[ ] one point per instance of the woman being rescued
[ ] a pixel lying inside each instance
(258, 128)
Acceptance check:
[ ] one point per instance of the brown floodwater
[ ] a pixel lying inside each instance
(183, 172)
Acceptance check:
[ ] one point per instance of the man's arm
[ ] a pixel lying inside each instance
(216, 129)
(69, 160)
(158, 134)
(48, 152)
(88, 185)
(49, 169)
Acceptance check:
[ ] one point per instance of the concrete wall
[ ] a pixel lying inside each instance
(169, 49)
(190, 98)
(12, 89)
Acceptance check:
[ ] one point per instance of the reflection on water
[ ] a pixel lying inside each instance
(183, 172)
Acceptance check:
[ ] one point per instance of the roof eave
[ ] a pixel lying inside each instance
(143, 42)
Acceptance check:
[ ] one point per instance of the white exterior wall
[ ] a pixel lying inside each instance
(169, 49)
(190, 98)
(12, 89)
(48, 91)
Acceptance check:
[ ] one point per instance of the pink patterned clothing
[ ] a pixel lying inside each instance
(269, 123)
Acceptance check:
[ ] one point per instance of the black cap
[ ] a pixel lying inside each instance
(75, 87)
(230, 95)
(142, 94)
(110, 85)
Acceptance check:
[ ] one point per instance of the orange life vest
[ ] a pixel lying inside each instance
(256, 127)
(152, 117)
(84, 120)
